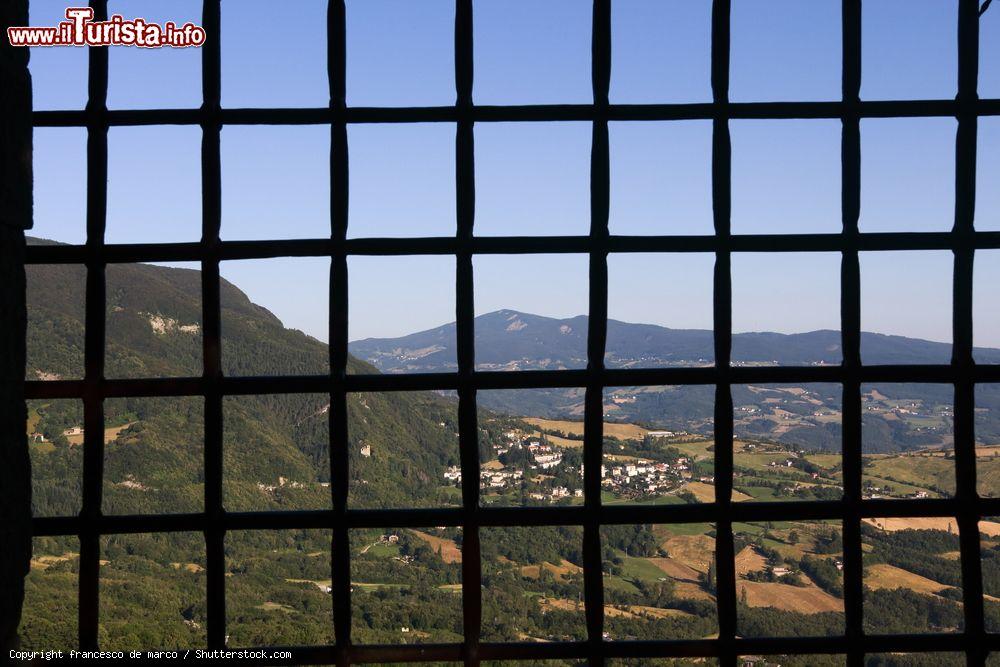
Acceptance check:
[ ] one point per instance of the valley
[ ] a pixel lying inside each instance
(660, 581)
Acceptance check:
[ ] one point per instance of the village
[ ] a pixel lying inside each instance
(530, 463)
(498, 477)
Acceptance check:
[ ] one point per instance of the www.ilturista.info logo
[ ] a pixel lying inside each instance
(82, 30)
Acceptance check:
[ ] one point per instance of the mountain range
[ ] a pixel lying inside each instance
(511, 340)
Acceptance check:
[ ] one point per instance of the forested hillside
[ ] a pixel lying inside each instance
(276, 456)
(153, 463)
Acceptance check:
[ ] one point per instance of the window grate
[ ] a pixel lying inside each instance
(966, 506)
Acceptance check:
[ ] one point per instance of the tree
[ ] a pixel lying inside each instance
(711, 576)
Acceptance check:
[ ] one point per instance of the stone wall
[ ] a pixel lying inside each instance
(15, 217)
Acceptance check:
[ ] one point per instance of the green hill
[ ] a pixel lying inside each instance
(275, 446)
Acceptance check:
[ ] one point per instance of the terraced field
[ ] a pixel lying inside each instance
(808, 599)
(613, 429)
(882, 575)
(447, 549)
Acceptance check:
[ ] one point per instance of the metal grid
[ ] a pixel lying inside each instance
(967, 507)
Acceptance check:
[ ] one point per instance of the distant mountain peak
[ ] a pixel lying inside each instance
(508, 338)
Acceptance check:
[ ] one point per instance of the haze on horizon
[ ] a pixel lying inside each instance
(533, 178)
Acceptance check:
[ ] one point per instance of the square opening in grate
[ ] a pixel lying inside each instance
(785, 50)
(532, 583)
(153, 320)
(987, 434)
(402, 314)
(155, 78)
(661, 177)
(275, 181)
(50, 613)
(55, 446)
(912, 577)
(660, 310)
(785, 568)
(152, 591)
(532, 179)
(674, 35)
(528, 460)
(907, 174)
(59, 180)
(986, 307)
(788, 442)
(154, 455)
(294, 430)
(154, 184)
(988, 174)
(400, 53)
(786, 309)
(532, 53)
(406, 585)
(918, 38)
(255, 75)
(56, 300)
(906, 307)
(989, 546)
(58, 75)
(275, 316)
(658, 445)
(785, 176)
(989, 58)
(658, 584)
(908, 437)
(403, 450)
(278, 588)
(402, 179)
(531, 312)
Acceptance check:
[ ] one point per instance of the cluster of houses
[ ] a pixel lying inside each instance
(283, 482)
(542, 457)
(874, 491)
(556, 493)
(499, 479)
(913, 408)
(74, 431)
(631, 479)
(642, 477)
(488, 479)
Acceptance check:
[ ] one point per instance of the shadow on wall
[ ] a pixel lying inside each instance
(15, 217)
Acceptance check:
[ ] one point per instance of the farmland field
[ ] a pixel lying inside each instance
(615, 430)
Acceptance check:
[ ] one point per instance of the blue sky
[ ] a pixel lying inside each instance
(534, 178)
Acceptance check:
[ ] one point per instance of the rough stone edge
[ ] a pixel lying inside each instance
(15, 217)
